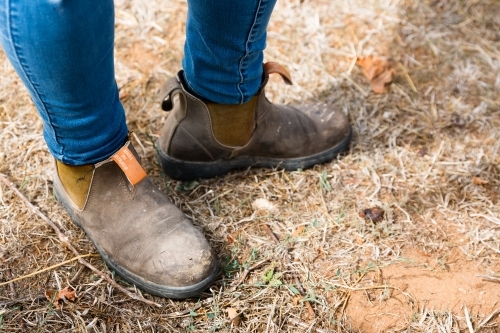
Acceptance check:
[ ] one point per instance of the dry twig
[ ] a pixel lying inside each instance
(49, 268)
(247, 271)
(489, 278)
(23, 300)
(487, 319)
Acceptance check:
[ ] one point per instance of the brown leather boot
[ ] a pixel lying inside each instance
(139, 233)
(203, 140)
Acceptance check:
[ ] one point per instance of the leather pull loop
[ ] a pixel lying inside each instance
(167, 92)
(274, 67)
(129, 165)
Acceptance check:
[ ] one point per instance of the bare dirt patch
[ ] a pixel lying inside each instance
(418, 280)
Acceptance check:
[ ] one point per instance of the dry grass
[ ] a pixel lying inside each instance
(415, 154)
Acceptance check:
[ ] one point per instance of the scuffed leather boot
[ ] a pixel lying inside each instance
(202, 140)
(139, 233)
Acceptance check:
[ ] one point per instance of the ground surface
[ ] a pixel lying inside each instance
(426, 152)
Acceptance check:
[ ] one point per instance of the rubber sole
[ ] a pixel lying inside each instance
(186, 170)
(147, 286)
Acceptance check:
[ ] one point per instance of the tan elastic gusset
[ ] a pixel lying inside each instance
(233, 124)
(76, 181)
(274, 67)
(129, 165)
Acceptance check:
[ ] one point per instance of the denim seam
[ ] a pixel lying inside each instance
(23, 67)
(242, 66)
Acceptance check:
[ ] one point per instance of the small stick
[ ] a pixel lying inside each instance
(64, 239)
(407, 77)
(345, 76)
(77, 275)
(487, 319)
(363, 288)
(25, 299)
(467, 319)
(246, 272)
(325, 208)
(489, 277)
(11, 285)
(49, 268)
(289, 264)
(341, 313)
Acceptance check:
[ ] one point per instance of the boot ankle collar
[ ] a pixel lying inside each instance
(168, 90)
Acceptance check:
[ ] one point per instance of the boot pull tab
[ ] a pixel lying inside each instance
(274, 67)
(129, 165)
(167, 92)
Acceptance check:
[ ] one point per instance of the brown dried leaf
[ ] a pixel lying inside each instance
(233, 315)
(296, 299)
(375, 214)
(479, 181)
(234, 236)
(378, 71)
(66, 293)
(298, 231)
(378, 84)
(359, 240)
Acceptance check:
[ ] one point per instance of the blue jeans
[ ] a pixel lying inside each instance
(63, 52)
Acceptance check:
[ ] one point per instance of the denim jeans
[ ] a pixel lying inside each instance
(63, 52)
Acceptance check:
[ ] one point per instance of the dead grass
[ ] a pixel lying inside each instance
(415, 154)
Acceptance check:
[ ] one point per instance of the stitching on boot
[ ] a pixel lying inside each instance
(90, 187)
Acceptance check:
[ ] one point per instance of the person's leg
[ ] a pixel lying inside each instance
(224, 48)
(223, 119)
(63, 52)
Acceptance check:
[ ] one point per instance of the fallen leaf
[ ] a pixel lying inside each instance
(375, 214)
(359, 240)
(263, 204)
(232, 237)
(372, 66)
(378, 83)
(233, 315)
(298, 231)
(378, 71)
(479, 181)
(66, 293)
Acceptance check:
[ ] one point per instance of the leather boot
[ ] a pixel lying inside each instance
(201, 139)
(139, 233)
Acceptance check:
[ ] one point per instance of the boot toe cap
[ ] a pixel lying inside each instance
(181, 260)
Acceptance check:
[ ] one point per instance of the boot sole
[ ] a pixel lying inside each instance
(187, 170)
(147, 286)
